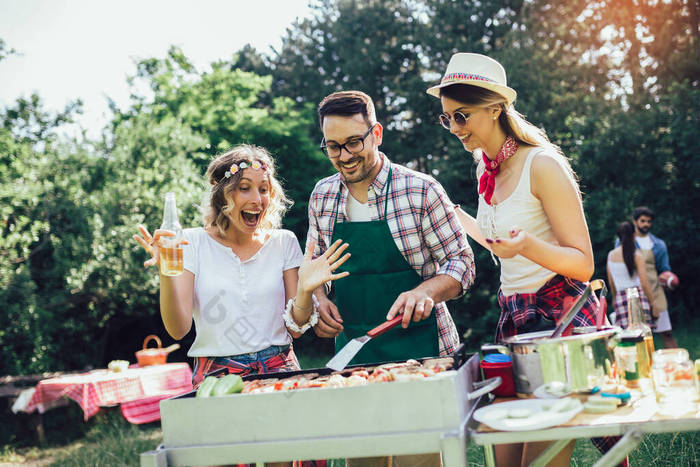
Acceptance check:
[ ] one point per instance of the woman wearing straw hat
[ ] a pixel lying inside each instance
(530, 213)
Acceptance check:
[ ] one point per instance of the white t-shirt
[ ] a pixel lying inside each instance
(356, 211)
(238, 305)
(645, 242)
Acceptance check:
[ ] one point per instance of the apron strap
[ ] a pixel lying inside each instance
(386, 193)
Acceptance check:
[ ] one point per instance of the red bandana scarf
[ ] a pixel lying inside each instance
(487, 182)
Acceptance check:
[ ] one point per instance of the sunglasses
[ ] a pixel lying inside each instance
(459, 118)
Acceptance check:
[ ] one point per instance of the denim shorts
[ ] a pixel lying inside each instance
(273, 359)
(259, 356)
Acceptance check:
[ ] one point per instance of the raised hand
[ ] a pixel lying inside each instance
(316, 272)
(151, 243)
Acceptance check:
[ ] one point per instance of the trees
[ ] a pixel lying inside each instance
(71, 277)
(589, 73)
(227, 106)
(645, 153)
(615, 84)
(40, 183)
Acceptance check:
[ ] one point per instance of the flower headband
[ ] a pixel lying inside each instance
(233, 170)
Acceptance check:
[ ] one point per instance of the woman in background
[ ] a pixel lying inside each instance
(626, 270)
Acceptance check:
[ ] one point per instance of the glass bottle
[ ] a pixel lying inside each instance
(636, 324)
(171, 257)
(627, 357)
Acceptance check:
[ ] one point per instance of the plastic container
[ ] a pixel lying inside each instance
(499, 365)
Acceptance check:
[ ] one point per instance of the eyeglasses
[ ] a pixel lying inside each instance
(459, 118)
(353, 146)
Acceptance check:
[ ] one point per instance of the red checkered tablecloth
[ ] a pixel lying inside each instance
(138, 390)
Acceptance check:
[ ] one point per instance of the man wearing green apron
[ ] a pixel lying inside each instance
(409, 252)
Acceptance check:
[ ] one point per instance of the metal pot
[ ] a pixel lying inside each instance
(581, 361)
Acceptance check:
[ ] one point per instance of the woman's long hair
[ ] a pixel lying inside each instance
(625, 233)
(512, 122)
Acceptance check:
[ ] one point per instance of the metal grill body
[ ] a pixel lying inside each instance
(412, 417)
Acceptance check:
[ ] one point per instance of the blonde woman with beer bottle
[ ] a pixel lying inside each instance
(246, 285)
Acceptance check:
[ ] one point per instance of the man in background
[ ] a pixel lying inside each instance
(656, 261)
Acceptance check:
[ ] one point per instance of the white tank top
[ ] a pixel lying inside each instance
(621, 276)
(524, 210)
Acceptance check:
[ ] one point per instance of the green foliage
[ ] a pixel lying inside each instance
(71, 272)
(39, 182)
(627, 142)
(5, 51)
(229, 106)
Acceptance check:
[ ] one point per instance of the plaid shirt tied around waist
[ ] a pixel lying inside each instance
(422, 221)
(283, 361)
(529, 312)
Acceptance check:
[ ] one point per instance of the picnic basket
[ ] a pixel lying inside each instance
(154, 356)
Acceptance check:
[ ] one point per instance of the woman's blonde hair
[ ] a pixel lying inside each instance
(511, 121)
(220, 199)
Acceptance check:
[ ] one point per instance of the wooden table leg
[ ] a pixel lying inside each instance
(550, 453)
(38, 424)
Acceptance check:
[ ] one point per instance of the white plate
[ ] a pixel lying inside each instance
(540, 418)
(542, 393)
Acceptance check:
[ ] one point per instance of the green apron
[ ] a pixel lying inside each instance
(378, 275)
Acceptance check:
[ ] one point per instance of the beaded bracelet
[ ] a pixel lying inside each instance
(289, 320)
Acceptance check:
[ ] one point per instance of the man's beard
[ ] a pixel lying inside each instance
(360, 174)
(643, 230)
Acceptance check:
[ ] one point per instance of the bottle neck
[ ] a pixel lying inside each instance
(634, 310)
(170, 218)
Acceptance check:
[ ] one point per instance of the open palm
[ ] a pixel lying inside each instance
(315, 272)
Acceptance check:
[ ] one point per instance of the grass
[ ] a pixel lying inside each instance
(109, 440)
(105, 440)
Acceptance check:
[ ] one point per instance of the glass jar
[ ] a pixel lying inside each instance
(627, 358)
(675, 381)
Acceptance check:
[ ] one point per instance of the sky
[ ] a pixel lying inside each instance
(86, 48)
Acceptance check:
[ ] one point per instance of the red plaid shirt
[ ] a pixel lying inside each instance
(422, 221)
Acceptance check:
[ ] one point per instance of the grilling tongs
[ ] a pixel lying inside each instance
(343, 357)
(568, 315)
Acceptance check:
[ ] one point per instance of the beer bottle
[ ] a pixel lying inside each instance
(636, 323)
(171, 258)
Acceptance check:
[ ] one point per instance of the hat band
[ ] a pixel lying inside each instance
(464, 76)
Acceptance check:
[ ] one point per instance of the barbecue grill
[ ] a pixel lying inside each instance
(411, 417)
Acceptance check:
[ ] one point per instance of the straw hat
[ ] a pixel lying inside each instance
(476, 70)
